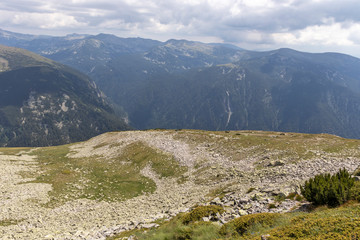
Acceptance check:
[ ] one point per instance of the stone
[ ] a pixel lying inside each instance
(243, 200)
(150, 225)
(276, 163)
(216, 201)
(242, 212)
(247, 206)
(265, 237)
(49, 237)
(229, 203)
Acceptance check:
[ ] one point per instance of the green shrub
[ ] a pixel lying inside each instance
(331, 223)
(200, 212)
(355, 192)
(299, 198)
(242, 224)
(280, 198)
(325, 189)
(291, 195)
(183, 233)
(271, 206)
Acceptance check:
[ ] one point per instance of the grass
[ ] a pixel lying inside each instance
(249, 224)
(175, 229)
(97, 178)
(322, 223)
(13, 150)
(8, 222)
(294, 147)
(200, 212)
(336, 223)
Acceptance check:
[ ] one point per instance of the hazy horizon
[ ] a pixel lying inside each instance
(306, 25)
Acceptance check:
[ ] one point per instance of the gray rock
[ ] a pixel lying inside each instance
(265, 237)
(242, 212)
(216, 201)
(150, 225)
(230, 203)
(247, 206)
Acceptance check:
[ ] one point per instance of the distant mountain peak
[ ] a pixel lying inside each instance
(75, 36)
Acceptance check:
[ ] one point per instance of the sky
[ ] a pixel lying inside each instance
(305, 25)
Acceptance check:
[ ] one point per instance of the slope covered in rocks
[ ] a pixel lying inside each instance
(122, 180)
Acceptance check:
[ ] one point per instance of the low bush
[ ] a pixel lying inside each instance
(200, 212)
(332, 224)
(242, 224)
(291, 195)
(326, 189)
(355, 192)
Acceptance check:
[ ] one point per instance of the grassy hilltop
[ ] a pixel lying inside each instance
(121, 181)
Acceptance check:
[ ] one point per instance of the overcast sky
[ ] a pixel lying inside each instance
(306, 25)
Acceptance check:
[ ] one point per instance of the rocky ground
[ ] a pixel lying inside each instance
(243, 187)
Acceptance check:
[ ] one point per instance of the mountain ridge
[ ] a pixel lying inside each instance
(46, 103)
(187, 84)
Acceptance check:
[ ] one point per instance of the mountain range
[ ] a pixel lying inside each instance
(185, 84)
(45, 103)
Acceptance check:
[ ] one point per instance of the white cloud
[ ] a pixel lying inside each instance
(332, 33)
(47, 20)
(249, 23)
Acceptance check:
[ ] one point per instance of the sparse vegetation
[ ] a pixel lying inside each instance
(200, 212)
(291, 195)
(272, 205)
(292, 147)
(242, 225)
(335, 223)
(98, 178)
(322, 223)
(8, 222)
(114, 169)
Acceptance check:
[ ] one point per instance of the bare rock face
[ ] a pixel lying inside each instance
(242, 182)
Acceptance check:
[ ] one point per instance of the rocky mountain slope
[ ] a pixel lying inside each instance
(122, 180)
(193, 85)
(282, 90)
(45, 103)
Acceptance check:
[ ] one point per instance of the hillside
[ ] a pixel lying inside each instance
(281, 90)
(122, 180)
(193, 85)
(45, 103)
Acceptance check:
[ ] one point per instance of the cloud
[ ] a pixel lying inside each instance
(330, 33)
(248, 23)
(47, 20)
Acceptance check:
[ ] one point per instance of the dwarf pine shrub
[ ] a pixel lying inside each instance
(326, 189)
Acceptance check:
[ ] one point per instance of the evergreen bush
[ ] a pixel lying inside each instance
(326, 189)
